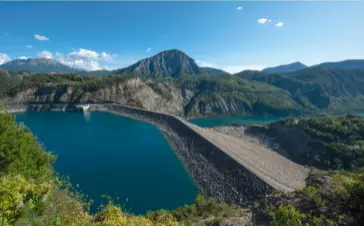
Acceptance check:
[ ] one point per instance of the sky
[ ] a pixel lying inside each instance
(232, 36)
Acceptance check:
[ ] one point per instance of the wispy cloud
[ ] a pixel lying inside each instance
(29, 46)
(4, 58)
(148, 50)
(239, 8)
(279, 24)
(23, 58)
(41, 37)
(263, 20)
(45, 54)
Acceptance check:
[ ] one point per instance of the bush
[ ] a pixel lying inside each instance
(286, 215)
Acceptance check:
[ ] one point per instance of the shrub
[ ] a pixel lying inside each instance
(286, 215)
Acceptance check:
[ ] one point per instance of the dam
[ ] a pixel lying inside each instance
(226, 168)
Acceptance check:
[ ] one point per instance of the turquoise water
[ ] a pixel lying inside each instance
(108, 154)
(229, 120)
(241, 120)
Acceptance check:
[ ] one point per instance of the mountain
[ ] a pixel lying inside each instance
(334, 90)
(169, 63)
(39, 65)
(346, 64)
(285, 68)
(213, 71)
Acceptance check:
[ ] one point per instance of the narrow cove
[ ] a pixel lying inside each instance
(106, 154)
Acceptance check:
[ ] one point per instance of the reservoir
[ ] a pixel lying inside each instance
(230, 120)
(106, 154)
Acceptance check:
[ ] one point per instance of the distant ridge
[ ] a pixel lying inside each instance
(169, 63)
(346, 64)
(285, 68)
(38, 65)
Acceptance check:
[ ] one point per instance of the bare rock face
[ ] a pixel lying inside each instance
(133, 92)
(170, 63)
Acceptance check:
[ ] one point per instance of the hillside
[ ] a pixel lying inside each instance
(324, 143)
(191, 96)
(39, 65)
(231, 95)
(330, 90)
(9, 79)
(169, 63)
(47, 91)
(213, 71)
(285, 68)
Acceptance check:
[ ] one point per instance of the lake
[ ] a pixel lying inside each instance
(229, 120)
(108, 154)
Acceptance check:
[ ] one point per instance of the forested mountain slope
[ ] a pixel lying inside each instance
(331, 90)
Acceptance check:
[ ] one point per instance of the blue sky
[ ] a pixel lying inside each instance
(228, 35)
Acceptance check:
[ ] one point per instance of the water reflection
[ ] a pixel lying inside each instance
(87, 116)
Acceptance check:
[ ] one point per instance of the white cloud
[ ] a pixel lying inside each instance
(4, 58)
(84, 54)
(45, 54)
(279, 24)
(29, 46)
(23, 58)
(269, 21)
(263, 20)
(41, 37)
(148, 50)
(239, 8)
(85, 58)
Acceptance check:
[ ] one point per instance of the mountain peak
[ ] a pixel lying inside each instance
(168, 63)
(286, 68)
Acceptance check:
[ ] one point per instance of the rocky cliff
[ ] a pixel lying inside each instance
(134, 92)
